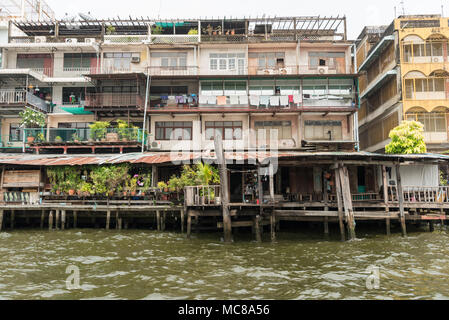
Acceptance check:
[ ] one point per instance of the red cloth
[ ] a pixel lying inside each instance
(290, 99)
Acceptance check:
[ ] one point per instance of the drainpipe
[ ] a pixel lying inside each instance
(356, 115)
(145, 109)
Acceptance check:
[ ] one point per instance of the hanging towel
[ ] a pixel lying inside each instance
(255, 100)
(297, 99)
(264, 100)
(234, 99)
(244, 100)
(212, 100)
(274, 101)
(203, 99)
(221, 100)
(164, 97)
(284, 101)
(290, 99)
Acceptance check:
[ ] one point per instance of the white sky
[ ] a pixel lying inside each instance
(359, 13)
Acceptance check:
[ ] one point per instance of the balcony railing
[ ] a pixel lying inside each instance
(173, 71)
(79, 71)
(63, 136)
(105, 100)
(202, 196)
(420, 194)
(14, 97)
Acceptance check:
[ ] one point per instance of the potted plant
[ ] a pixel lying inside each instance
(31, 119)
(132, 185)
(192, 32)
(162, 186)
(110, 30)
(99, 129)
(58, 139)
(75, 137)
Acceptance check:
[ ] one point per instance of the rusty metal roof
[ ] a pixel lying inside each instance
(179, 157)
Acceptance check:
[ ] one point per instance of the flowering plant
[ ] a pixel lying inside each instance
(32, 119)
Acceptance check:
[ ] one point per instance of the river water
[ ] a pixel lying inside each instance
(136, 264)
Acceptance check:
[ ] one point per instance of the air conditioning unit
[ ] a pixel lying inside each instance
(135, 58)
(40, 39)
(156, 145)
(89, 40)
(323, 70)
(71, 40)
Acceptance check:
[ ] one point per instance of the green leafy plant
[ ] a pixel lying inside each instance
(156, 29)
(86, 189)
(193, 31)
(40, 137)
(58, 139)
(75, 137)
(162, 186)
(126, 131)
(107, 180)
(407, 138)
(32, 119)
(99, 129)
(110, 30)
(207, 174)
(174, 184)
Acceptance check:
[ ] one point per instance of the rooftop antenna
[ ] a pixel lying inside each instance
(403, 7)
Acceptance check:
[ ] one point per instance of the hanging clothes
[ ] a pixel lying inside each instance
(297, 99)
(234, 100)
(221, 100)
(290, 99)
(274, 101)
(211, 100)
(203, 100)
(243, 100)
(254, 100)
(284, 101)
(264, 100)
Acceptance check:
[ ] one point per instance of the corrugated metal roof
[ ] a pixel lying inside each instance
(179, 157)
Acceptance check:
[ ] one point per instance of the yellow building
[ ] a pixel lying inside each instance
(404, 75)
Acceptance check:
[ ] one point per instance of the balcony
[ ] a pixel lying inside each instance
(20, 98)
(111, 138)
(114, 100)
(173, 71)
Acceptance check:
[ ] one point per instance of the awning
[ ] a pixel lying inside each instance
(76, 110)
(378, 83)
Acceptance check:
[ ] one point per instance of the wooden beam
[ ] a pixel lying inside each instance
(224, 188)
(13, 214)
(108, 219)
(75, 219)
(347, 200)
(42, 219)
(340, 205)
(189, 224)
(1, 219)
(63, 215)
(385, 194)
(401, 200)
(50, 220)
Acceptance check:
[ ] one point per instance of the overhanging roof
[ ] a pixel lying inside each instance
(376, 52)
(176, 158)
(378, 83)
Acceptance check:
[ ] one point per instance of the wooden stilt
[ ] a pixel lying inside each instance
(347, 201)
(13, 218)
(189, 224)
(75, 219)
(108, 219)
(164, 217)
(158, 220)
(273, 226)
(257, 227)
(401, 200)
(385, 195)
(326, 226)
(431, 226)
(388, 226)
(57, 220)
(227, 222)
(120, 221)
(340, 205)
(50, 220)
(63, 215)
(42, 219)
(126, 224)
(182, 221)
(1, 219)
(116, 220)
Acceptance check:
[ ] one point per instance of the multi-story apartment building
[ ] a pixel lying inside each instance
(235, 76)
(403, 76)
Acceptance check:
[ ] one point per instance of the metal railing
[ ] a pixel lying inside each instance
(174, 71)
(62, 136)
(22, 97)
(125, 38)
(420, 194)
(173, 39)
(101, 100)
(202, 195)
(80, 71)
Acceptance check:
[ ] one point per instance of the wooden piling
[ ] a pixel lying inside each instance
(164, 217)
(116, 220)
(431, 226)
(182, 221)
(120, 221)
(57, 220)
(257, 228)
(42, 219)
(340, 205)
(75, 219)
(385, 194)
(189, 224)
(63, 215)
(50, 220)
(108, 219)
(158, 220)
(1, 219)
(401, 200)
(227, 223)
(347, 200)
(326, 226)
(273, 225)
(13, 217)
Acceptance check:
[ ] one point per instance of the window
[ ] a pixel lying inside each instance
(168, 90)
(176, 130)
(74, 125)
(323, 130)
(118, 60)
(323, 59)
(283, 129)
(432, 121)
(226, 61)
(229, 130)
(75, 95)
(171, 59)
(15, 133)
(269, 60)
(79, 60)
(33, 61)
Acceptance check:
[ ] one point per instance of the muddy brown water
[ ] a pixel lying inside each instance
(138, 264)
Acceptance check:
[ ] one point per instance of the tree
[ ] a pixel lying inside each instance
(407, 138)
